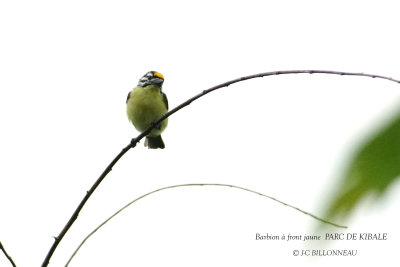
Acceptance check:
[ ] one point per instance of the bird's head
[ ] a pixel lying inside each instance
(151, 78)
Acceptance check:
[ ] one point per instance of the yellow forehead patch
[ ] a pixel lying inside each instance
(159, 75)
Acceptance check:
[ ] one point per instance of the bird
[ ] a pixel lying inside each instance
(145, 104)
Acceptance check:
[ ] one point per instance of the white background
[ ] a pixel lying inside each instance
(66, 68)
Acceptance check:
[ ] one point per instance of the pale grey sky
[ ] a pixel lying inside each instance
(66, 69)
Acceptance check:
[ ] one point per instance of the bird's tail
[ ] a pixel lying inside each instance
(154, 142)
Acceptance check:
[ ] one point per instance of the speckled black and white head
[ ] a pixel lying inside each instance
(151, 78)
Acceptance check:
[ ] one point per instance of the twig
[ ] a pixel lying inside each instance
(7, 256)
(134, 141)
(184, 185)
(74, 216)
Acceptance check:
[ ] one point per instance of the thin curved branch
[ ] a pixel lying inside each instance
(260, 75)
(185, 185)
(74, 216)
(7, 256)
(134, 141)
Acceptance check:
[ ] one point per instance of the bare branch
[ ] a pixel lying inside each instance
(260, 75)
(74, 216)
(185, 185)
(134, 141)
(7, 256)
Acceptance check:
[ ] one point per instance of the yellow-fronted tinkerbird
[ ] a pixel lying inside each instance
(145, 104)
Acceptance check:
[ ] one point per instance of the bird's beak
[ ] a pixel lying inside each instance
(156, 80)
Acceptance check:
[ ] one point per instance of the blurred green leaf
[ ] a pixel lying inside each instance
(375, 166)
